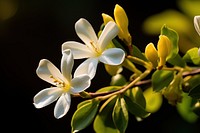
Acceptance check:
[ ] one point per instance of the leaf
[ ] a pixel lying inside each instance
(153, 100)
(120, 115)
(135, 108)
(173, 37)
(177, 61)
(191, 56)
(185, 109)
(83, 103)
(84, 115)
(161, 79)
(195, 92)
(103, 122)
(138, 53)
(109, 88)
(136, 95)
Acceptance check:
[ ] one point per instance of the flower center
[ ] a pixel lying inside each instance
(95, 49)
(61, 84)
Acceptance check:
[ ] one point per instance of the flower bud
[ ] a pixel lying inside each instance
(113, 69)
(121, 20)
(164, 47)
(152, 54)
(106, 18)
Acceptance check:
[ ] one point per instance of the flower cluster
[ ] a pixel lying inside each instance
(165, 73)
(94, 48)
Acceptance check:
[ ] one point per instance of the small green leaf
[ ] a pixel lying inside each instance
(161, 79)
(84, 115)
(177, 61)
(103, 122)
(136, 95)
(120, 115)
(83, 103)
(185, 109)
(135, 108)
(192, 56)
(195, 92)
(138, 53)
(173, 37)
(109, 88)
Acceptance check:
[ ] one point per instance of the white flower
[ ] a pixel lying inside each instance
(63, 82)
(197, 24)
(94, 48)
(197, 27)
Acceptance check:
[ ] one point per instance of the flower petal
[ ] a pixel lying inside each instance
(80, 83)
(85, 31)
(46, 70)
(46, 96)
(67, 63)
(62, 106)
(89, 67)
(109, 32)
(79, 50)
(197, 24)
(112, 56)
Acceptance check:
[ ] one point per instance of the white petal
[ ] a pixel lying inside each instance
(109, 32)
(46, 69)
(85, 31)
(112, 56)
(62, 106)
(67, 63)
(197, 24)
(79, 50)
(46, 96)
(80, 83)
(88, 67)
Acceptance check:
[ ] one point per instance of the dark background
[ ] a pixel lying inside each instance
(36, 31)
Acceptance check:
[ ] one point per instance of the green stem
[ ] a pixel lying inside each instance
(131, 84)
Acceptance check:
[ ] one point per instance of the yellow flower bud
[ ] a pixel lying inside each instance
(152, 54)
(164, 47)
(113, 69)
(121, 20)
(106, 18)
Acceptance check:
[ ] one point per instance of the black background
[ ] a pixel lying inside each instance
(37, 31)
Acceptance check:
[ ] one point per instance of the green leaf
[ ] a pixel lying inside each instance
(84, 115)
(173, 37)
(136, 95)
(177, 61)
(195, 92)
(83, 103)
(109, 88)
(120, 115)
(192, 56)
(135, 108)
(117, 44)
(103, 122)
(185, 109)
(161, 79)
(138, 53)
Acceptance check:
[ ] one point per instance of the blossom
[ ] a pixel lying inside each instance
(95, 49)
(63, 82)
(197, 24)
(197, 27)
